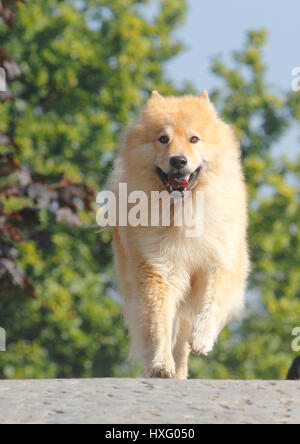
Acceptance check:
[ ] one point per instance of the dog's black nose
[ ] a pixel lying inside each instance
(178, 162)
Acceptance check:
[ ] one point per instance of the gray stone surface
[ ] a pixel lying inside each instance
(130, 401)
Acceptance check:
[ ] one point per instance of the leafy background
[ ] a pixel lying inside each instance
(78, 72)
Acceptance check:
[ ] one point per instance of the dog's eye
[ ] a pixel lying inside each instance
(164, 139)
(194, 139)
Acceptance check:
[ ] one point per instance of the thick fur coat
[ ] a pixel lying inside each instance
(179, 292)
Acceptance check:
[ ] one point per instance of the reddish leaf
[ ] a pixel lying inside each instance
(11, 233)
(8, 15)
(12, 276)
(66, 215)
(8, 164)
(41, 194)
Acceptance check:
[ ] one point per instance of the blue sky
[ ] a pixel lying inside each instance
(217, 27)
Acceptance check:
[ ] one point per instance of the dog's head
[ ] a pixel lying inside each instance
(178, 139)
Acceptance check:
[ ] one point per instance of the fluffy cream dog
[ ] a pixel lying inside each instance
(179, 292)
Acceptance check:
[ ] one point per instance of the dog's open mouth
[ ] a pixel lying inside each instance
(178, 183)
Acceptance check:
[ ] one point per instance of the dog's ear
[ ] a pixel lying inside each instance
(204, 95)
(155, 94)
(206, 103)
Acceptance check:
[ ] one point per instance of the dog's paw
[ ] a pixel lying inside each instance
(202, 341)
(163, 370)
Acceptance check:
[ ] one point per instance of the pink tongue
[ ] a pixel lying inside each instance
(179, 183)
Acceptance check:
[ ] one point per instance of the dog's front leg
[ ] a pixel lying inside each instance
(222, 300)
(157, 314)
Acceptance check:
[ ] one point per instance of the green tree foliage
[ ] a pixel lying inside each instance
(86, 67)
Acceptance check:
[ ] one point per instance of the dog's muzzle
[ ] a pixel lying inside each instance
(179, 182)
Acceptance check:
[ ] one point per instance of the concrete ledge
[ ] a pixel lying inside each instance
(144, 401)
